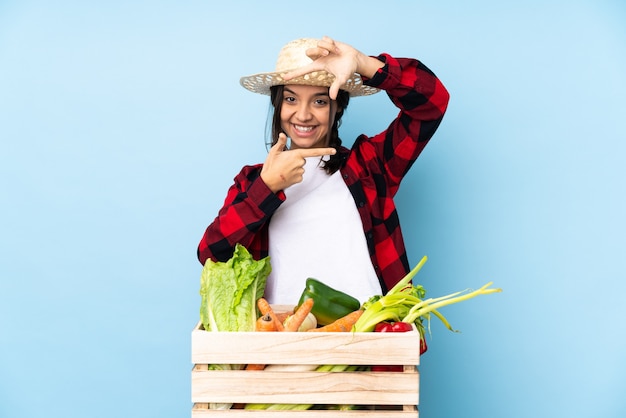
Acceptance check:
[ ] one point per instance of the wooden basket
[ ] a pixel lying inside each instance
(381, 394)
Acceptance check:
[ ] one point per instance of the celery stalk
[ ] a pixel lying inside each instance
(431, 305)
(405, 281)
(404, 302)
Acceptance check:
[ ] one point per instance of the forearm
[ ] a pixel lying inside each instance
(412, 87)
(247, 208)
(368, 66)
(218, 245)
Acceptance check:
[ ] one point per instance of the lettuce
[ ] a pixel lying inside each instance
(230, 290)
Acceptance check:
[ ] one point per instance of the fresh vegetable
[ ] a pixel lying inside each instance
(265, 323)
(330, 304)
(278, 406)
(400, 327)
(282, 316)
(269, 320)
(343, 324)
(392, 327)
(266, 309)
(404, 302)
(291, 367)
(293, 322)
(309, 323)
(229, 291)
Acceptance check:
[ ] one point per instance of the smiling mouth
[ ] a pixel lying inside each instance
(303, 129)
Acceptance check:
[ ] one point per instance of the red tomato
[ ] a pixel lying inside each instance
(401, 327)
(393, 327)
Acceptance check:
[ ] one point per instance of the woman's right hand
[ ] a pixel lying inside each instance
(283, 168)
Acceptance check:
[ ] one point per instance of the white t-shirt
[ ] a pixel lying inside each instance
(317, 232)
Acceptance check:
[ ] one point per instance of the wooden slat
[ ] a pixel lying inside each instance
(233, 413)
(352, 388)
(304, 348)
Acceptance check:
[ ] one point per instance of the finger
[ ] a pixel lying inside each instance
(324, 47)
(316, 152)
(309, 68)
(280, 144)
(329, 45)
(317, 52)
(282, 141)
(333, 90)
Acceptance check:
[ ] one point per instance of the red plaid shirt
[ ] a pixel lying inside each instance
(372, 170)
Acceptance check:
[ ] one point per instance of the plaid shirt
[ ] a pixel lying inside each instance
(372, 170)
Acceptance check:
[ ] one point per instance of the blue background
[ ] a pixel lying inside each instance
(123, 123)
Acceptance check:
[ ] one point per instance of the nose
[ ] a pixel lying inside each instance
(303, 112)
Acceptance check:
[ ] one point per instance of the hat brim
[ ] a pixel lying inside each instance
(261, 83)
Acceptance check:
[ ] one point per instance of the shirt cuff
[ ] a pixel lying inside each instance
(384, 75)
(267, 200)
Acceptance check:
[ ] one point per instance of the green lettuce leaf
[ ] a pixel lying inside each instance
(230, 290)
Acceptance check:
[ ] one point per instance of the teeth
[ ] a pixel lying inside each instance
(303, 128)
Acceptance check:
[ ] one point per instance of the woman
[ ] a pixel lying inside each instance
(315, 207)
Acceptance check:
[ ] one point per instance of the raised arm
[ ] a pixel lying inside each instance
(422, 101)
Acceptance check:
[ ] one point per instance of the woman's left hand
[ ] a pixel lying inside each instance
(338, 59)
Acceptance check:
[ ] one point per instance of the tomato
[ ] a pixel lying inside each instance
(395, 327)
(401, 327)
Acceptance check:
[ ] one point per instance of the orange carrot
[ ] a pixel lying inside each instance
(294, 321)
(343, 324)
(265, 323)
(266, 309)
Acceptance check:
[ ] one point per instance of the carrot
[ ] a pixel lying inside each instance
(294, 321)
(265, 324)
(266, 309)
(343, 324)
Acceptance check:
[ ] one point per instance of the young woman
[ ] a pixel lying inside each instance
(317, 208)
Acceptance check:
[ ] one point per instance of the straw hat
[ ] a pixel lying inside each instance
(292, 56)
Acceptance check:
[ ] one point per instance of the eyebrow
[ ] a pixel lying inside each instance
(325, 94)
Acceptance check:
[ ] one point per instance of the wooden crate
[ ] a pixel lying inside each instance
(385, 394)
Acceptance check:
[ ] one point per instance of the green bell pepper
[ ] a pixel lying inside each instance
(329, 304)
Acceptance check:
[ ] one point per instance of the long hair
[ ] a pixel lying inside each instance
(343, 98)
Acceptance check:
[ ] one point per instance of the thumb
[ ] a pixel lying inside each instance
(280, 143)
(333, 91)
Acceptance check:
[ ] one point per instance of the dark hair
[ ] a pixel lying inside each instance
(343, 97)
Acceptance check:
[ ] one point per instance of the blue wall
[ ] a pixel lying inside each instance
(122, 125)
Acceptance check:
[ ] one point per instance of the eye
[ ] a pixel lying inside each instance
(289, 99)
(321, 102)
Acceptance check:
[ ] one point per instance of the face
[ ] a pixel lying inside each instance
(304, 115)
